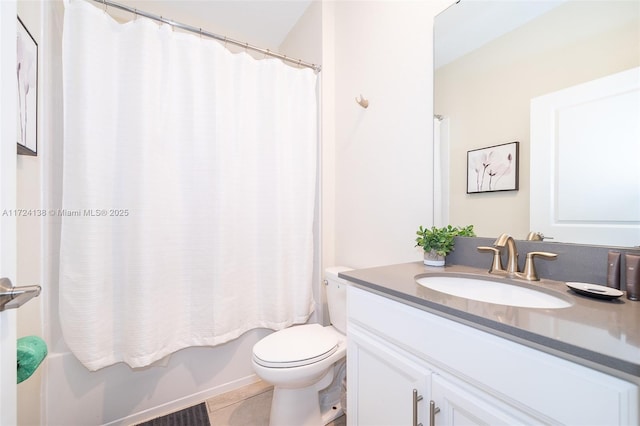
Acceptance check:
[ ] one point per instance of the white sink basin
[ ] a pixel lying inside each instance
(499, 292)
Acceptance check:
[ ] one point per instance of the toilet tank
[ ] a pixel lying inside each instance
(337, 297)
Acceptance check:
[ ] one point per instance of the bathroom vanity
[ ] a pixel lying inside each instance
(420, 356)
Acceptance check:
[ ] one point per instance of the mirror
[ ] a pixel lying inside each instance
(491, 59)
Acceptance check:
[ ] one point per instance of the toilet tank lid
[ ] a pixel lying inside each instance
(332, 271)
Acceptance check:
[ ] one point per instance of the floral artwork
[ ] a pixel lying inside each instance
(27, 73)
(494, 168)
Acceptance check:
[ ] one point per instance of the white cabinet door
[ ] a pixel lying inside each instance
(462, 405)
(381, 382)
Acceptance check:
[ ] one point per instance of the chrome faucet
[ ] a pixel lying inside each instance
(512, 259)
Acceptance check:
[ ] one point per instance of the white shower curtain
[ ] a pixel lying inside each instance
(188, 191)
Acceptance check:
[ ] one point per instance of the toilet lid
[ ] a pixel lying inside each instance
(295, 346)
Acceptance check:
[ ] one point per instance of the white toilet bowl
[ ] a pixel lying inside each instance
(298, 381)
(300, 362)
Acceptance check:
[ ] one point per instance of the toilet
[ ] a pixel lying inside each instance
(303, 360)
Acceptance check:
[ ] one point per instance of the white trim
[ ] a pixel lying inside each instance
(185, 402)
(441, 171)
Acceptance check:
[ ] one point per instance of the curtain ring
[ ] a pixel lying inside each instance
(246, 45)
(105, 5)
(267, 53)
(200, 33)
(165, 22)
(225, 41)
(299, 63)
(135, 14)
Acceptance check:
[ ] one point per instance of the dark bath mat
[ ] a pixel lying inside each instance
(192, 416)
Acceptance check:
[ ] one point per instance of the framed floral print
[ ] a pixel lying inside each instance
(27, 71)
(494, 168)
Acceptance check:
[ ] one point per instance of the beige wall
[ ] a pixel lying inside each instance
(486, 96)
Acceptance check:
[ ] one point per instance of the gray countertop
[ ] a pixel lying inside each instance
(603, 334)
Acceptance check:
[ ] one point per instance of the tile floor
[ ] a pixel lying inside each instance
(247, 406)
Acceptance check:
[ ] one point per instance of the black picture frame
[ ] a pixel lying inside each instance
(494, 168)
(27, 74)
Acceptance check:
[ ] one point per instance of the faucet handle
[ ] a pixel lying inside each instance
(496, 265)
(537, 236)
(529, 272)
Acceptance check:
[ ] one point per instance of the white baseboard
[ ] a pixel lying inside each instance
(182, 403)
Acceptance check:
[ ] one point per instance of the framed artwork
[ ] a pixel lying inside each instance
(494, 168)
(27, 70)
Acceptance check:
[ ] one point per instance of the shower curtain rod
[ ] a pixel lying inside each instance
(299, 62)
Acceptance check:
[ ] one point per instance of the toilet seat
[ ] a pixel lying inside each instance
(295, 346)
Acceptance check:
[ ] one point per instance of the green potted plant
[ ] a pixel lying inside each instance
(438, 242)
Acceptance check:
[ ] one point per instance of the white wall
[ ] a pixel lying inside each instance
(383, 154)
(328, 129)
(376, 163)
(8, 136)
(29, 232)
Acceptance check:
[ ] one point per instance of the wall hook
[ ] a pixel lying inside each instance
(362, 102)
